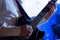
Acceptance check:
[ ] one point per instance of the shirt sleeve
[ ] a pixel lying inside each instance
(8, 13)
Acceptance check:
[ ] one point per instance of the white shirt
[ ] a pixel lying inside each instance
(9, 13)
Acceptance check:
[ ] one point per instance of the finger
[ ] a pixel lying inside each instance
(30, 29)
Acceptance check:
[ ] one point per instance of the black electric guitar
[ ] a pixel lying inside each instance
(37, 34)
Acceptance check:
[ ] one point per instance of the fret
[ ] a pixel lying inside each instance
(38, 19)
(40, 15)
(35, 22)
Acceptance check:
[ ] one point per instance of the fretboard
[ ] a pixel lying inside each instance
(39, 17)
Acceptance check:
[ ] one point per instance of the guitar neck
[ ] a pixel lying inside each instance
(41, 15)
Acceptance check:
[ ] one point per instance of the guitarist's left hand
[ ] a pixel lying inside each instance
(52, 8)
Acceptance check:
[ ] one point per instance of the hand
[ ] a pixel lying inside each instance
(26, 30)
(52, 8)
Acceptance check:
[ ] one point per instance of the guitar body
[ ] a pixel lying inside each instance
(36, 35)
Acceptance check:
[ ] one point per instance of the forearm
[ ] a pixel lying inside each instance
(15, 31)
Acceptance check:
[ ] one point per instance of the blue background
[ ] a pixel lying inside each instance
(47, 27)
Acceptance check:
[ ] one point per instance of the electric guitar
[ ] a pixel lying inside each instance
(37, 34)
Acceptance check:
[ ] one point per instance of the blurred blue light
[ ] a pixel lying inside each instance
(47, 27)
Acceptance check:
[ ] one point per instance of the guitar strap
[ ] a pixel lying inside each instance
(26, 19)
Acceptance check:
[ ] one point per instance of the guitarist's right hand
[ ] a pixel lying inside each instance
(26, 30)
